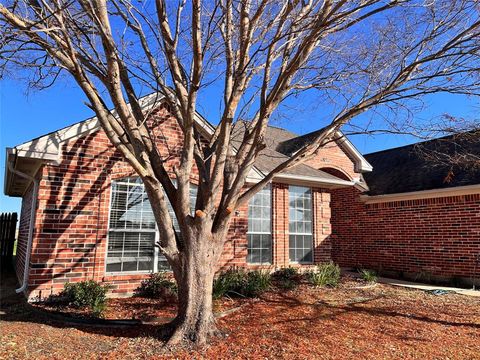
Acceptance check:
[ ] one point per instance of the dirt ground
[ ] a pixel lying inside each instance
(379, 322)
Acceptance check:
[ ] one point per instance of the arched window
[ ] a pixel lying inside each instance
(337, 172)
(132, 229)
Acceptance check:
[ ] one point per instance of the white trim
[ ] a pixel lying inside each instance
(11, 157)
(361, 186)
(423, 194)
(262, 232)
(47, 147)
(305, 180)
(361, 164)
(311, 233)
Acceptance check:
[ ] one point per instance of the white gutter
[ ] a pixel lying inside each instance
(361, 164)
(26, 269)
(422, 194)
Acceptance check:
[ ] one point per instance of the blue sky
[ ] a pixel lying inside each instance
(26, 115)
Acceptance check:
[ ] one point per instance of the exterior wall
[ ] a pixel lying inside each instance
(280, 226)
(73, 207)
(436, 237)
(70, 240)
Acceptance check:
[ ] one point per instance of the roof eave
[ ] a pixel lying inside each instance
(9, 152)
(15, 185)
(361, 164)
(313, 181)
(422, 194)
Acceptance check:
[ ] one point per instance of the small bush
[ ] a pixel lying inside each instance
(287, 278)
(325, 275)
(85, 294)
(228, 282)
(257, 283)
(287, 284)
(287, 273)
(368, 275)
(237, 282)
(158, 285)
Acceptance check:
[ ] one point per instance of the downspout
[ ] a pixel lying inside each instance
(30, 227)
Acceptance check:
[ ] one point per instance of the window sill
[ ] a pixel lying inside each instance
(259, 264)
(126, 276)
(301, 263)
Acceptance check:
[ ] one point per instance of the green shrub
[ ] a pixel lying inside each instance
(368, 275)
(286, 273)
(228, 282)
(257, 283)
(237, 282)
(85, 294)
(287, 284)
(158, 285)
(287, 278)
(325, 275)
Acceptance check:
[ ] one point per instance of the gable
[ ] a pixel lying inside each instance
(47, 147)
(295, 143)
(28, 157)
(332, 156)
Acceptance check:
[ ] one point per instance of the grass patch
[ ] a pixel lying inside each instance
(368, 275)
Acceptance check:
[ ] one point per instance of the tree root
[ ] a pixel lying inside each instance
(187, 334)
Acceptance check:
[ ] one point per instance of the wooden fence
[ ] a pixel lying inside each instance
(8, 225)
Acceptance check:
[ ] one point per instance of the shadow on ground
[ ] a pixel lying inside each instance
(14, 308)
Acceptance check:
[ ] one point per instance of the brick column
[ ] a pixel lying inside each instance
(322, 228)
(280, 224)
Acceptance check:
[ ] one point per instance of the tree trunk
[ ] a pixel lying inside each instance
(195, 321)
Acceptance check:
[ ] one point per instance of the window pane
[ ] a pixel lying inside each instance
(114, 266)
(163, 263)
(259, 236)
(132, 227)
(300, 224)
(130, 208)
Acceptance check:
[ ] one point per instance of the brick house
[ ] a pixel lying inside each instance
(420, 218)
(85, 214)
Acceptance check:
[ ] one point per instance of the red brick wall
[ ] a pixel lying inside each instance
(70, 239)
(72, 219)
(333, 157)
(438, 237)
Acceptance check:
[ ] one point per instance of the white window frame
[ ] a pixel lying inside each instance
(156, 250)
(121, 181)
(261, 232)
(294, 233)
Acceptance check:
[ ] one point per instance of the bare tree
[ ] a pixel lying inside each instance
(354, 56)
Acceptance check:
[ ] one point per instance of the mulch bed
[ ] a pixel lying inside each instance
(305, 323)
(145, 310)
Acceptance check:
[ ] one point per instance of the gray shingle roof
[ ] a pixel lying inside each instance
(271, 157)
(410, 168)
